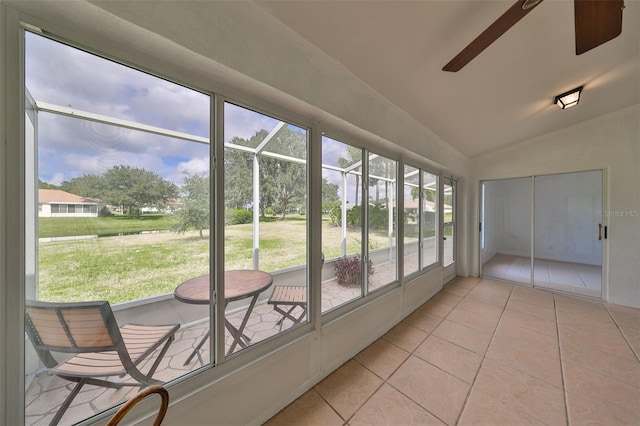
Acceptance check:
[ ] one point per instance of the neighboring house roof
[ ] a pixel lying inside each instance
(413, 203)
(58, 196)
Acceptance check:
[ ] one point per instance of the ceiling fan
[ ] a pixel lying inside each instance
(597, 22)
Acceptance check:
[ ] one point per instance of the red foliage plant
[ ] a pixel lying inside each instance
(348, 270)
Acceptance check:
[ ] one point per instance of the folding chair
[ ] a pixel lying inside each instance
(286, 298)
(90, 330)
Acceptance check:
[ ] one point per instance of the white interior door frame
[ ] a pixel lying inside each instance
(604, 220)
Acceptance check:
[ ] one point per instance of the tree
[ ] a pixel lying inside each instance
(46, 185)
(289, 185)
(415, 192)
(194, 212)
(284, 182)
(355, 156)
(429, 194)
(330, 196)
(238, 172)
(132, 188)
(91, 186)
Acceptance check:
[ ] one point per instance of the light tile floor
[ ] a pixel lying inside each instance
(568, 277)
(489, 353)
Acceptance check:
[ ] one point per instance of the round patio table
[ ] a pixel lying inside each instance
(238, 285)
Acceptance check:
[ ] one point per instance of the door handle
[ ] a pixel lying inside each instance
(599, 232)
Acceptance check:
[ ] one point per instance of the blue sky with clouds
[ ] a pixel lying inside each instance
(67, 148)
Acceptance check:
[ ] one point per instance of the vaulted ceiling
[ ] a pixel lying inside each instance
(503, 96)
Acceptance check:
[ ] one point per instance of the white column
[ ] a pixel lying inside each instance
(256, 213)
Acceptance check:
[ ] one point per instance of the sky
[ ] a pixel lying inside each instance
(67, 147)
(62, 75)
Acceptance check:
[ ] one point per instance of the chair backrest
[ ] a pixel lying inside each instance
(162, 410)
(72, 328)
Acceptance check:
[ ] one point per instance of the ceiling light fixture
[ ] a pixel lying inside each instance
(568, 99)
(528, 4)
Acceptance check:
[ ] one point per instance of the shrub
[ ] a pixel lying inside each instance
(348, 270)
(105, 212)
(238, 217)
(335, 216)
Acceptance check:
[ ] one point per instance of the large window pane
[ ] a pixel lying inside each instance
(341, 223)
(411, 219)
(430, 219)
(449, 225)
(506, 229)
(568, 233)
(96, 180)
(381, 253)
(265, 254)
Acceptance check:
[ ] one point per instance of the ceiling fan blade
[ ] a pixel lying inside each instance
(491, 34)
(597, 22)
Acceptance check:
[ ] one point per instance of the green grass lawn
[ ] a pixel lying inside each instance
(130, 267)
(120, 269)
(112, 225)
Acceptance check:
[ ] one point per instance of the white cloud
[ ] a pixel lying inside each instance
(244, 123)
(195, 165)
(62, 75)
(57, 179)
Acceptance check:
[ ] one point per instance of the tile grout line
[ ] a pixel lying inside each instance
(385, 381)
(562, 372)
(412, 353)
(613, 318)
(344, 422)
(484, 356)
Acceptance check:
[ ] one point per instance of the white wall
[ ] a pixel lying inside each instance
(568, 209)
(507, 218)
(610, 142)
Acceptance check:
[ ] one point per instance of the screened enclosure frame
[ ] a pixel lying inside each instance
(260, 150)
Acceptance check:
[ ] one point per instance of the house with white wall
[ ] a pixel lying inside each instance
(58, 203)
(370, 73)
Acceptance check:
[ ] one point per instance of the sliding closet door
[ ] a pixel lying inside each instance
(569, 233)
(506, 229)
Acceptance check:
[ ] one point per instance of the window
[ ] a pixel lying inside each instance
(130, 156)
(381, 217)
(265, 195)
(131, 264)
(342, 197)
(431, 219)
(412, 216)
(449, 225)
(421, 219)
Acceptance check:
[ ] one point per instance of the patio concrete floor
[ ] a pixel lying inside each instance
(46, 392)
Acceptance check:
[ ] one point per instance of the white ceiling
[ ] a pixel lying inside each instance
(504, 95)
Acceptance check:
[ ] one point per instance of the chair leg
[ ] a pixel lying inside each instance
(157, 362)
(284, 315)
(67, 402)
(288, 315)
(145, 379)
(196, 350)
